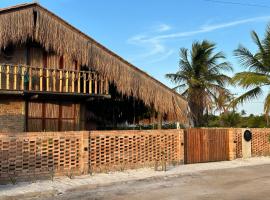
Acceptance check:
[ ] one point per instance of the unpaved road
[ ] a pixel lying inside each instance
(244, 183)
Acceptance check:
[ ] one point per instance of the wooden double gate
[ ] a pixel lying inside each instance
(206, 145)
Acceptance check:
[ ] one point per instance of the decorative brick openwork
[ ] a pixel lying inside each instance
(238, 142)
(116, 150)
(33, 155)
(36, 154)
(260, 143)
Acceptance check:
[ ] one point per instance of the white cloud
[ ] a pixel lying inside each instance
(154, 42)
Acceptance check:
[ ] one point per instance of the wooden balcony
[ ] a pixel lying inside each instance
(60, 81)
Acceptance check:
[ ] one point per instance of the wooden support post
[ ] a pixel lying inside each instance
(84, 82)
(61, 81)
(66, 81)
(40, 79)
(73, 82)
(7, 78)
(15, 77)
(23, 73)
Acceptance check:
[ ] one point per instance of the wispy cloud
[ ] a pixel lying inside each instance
(154, 41)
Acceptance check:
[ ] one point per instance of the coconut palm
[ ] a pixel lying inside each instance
(200, 78)
(258, 65)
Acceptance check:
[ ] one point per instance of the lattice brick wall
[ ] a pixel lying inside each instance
(25, 154)
(260, 144)
(114, 150)
(238, 141)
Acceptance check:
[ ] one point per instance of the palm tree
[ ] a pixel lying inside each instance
(200, 78)
(258, 74)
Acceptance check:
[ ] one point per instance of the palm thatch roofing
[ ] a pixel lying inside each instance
(21, 23)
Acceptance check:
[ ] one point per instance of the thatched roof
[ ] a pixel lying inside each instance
(25, 22)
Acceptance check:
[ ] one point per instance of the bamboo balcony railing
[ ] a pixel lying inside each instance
(26, 78)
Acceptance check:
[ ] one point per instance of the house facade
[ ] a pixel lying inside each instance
(53, 77)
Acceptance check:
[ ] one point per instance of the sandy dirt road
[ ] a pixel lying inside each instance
(243, 183)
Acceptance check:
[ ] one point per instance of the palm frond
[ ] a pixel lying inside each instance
(251, 94)
(251, 79)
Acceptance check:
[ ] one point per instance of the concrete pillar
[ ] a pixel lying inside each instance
(246, 146)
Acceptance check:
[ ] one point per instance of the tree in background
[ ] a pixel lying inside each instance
(258, 74)
(200, 78)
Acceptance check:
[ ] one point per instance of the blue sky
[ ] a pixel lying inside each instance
(150, 33)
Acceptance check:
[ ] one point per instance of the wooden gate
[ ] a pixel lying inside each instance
(206, 145)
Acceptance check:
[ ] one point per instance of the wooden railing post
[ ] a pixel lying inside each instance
(79, 82)
(90, 83)
(96, 81)
(84, 82)
(0, 77)
(15, 78)
(73, 82)
(66, 81)
(40, 79)
(47, 80)
(23, 74)
(61, 81)
(7, 77)
(54, 76)
(30, 78)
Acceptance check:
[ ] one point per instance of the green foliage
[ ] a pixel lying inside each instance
(257, 75)
(200, 78)
(234, 119)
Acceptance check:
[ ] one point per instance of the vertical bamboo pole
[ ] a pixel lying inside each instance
(79, 82)
(73, 82)
(54, 80)
(61, 81)
(84, 82)
(15, 78)
(90, 83)
(40, 79)
(23, 73)
(66, 81)
(30, 78)
(47, 80)
(0, 77)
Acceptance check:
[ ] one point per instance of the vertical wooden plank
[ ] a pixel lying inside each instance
(107, 86)
(15, 77)
(101, 85)
(7, 77)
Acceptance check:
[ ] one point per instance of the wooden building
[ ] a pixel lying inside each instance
(53, 77)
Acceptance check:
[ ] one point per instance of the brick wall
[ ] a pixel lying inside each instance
(114, 150)
(34, 155)
(12, 115)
